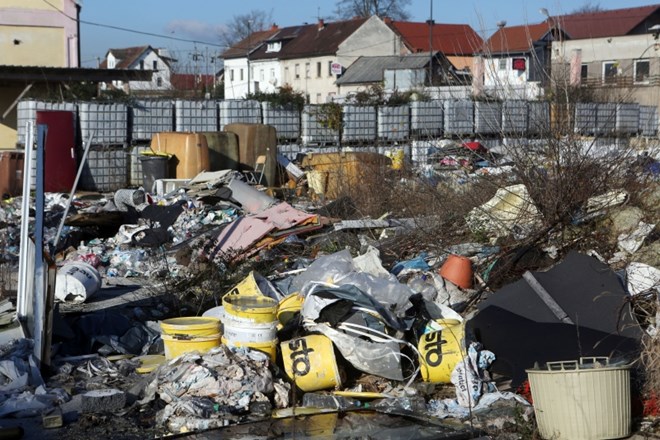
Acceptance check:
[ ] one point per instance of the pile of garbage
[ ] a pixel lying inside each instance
(329, 329)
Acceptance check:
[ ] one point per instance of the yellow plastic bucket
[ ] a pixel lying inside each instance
(176, 345)
(288, 307)
(257, 309)
(397, 156)
(441, 350)
(253, 285)
(310, 362)
(191, 326)
(269, 348)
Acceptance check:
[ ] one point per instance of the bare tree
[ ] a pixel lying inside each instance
(242, 25)
(395, 9)
(588, 7)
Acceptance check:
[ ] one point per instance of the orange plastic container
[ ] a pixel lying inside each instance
(458, 270)
(190, 153)
(11, 173)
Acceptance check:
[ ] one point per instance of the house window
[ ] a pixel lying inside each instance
(261, 74)
(584, 71)
(286, 74)
(642, 69)
(318, 70)
(308, 73)
(297, 72)
(329, 68)
(159, 81)
(519, 64)
(155, 65)
(141, 64)
(319, 97)
(231, 75)
(610, 71)
(502, 64)
(241, 75)
(272, 73)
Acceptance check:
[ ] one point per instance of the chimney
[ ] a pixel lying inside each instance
(321, 24)
(274, 27)
(387, 19)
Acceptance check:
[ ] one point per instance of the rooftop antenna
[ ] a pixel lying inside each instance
(501, 24)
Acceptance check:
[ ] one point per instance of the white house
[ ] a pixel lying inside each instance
(140, 58)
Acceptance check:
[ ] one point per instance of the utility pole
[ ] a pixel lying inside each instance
(431, 23)
(248, 57)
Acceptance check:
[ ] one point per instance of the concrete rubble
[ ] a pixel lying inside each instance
(391, 318)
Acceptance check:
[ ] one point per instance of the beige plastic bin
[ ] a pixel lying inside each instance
(585, 400)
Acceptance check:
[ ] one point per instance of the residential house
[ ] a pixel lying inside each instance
(39, 33)
(394, 72)
(238, 78)
(457, 42)
(140, 58)
(517, 59)
(306, 61)
(615, 51)
(308, 58)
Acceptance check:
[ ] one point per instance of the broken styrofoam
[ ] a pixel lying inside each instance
(631, 242)
(510, 211)
(642, 278)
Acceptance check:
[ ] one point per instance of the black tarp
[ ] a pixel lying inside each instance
(521, 329)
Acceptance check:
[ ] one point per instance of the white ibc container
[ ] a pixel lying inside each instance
(150, 117)
(627, 118)
(487, 117)
(286, 120)
(239, 112)
(459, 117)
(514, 117)
(315, 129)
(605, 118)
(585, 117)
(108, 122)
(196, 116)
(394, 123)
(427, 118)
(359, 123)
(648, 120)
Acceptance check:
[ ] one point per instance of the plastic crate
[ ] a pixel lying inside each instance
(196, 116)
(314, 128)
(394, 123)
(359, 123)
(108, 121)
(286, 120)
(427, 118)
(459, 117)
(151, 116)
(106, 169)
(239, 112)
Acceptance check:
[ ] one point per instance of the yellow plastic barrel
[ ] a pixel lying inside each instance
(248, 286)
(269, 348)
(288, 307)
(441, 350)
(257, 309)
(398, 156)
(176, 345)
(310, 362)
(191, 326)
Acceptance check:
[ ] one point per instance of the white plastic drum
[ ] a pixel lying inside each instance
(76, 282)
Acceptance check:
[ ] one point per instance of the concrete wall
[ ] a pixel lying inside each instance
(33, 33)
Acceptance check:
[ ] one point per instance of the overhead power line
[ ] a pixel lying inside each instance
(134, 31)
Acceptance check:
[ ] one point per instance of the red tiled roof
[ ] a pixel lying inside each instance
(188, 81)
(252, 42)
(516, 38)
(450, 39)
(125, 57)
(612, 23)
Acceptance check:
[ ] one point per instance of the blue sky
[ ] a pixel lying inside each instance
(201, 20)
